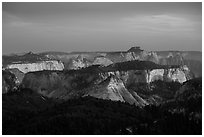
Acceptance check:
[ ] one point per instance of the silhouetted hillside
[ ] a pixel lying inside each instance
(89, 115)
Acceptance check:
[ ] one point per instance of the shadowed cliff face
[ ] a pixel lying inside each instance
(190, 89)
(101, 82)
(67, 86)
(9, 81)
(193, 60)
(18, 65)
(57, 83)
(50, 61)
(165, 94)
(18, 74)
(111, 80)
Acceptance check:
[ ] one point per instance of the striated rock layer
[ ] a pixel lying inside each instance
(94, 81)
(37, 66)
(101, 75)
(193, 60)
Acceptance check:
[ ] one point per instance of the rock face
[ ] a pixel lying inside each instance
(193, 60)
(114, 89)
(175, 74)
(110, 89)
(65, 86)
(135, 49)
(79, 62)
(37, 66)
(43, 82)
(18, 65)
(18, 74)
(102, 75)
(102, 61)
(147, 76)
(100, 82)
(9, 81)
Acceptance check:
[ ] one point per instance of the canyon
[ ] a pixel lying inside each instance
(138, 90)
(100, 82)
(105, 75)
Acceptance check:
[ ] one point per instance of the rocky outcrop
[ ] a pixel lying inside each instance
(135, 49)
(78, 63)
(180, 75)
(108, 81)
(58, 84)
(37, 66)
(9, 82)
(43, 82)
(114, 89)
(193, 60)
(101, 82)
(147, 76)
(109, 89)
(102, 61)
(18, 74)
(18, 65)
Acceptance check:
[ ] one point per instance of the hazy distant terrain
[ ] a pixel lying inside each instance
(102, 68)
(125, 92)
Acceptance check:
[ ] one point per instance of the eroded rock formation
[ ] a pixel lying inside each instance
(99, 82)
(37, 66)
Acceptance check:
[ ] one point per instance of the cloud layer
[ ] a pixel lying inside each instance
(100, 26)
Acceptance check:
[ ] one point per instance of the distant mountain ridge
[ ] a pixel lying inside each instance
(68, 75)
(69, 84)
(135, 53)
(136, 91)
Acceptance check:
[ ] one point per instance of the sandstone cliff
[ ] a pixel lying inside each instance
(102, 82)
(37, 66)
(193, 60)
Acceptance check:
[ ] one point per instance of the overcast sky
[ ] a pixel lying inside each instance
(71, 27)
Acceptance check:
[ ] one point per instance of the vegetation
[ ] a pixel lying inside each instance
(157, 91)
(138, 65)
(89, 115)
(26, 112)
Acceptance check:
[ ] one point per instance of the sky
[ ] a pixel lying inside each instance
(69, 27)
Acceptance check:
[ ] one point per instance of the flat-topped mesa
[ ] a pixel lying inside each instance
(30, 62)
(135, 49)
(94, 81)
(25, 58)
(138, 71)
(147, 76)
(37, 66)
(72, 61)
(76, 79)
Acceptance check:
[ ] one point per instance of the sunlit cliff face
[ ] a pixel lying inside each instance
(59, 84)
(38, 66)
